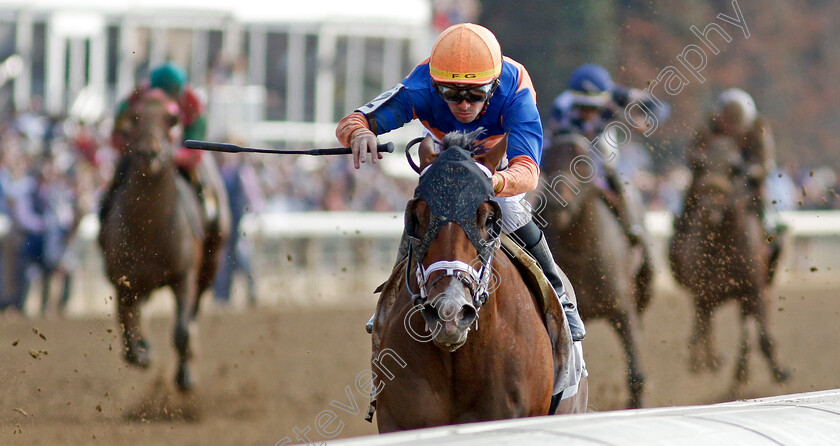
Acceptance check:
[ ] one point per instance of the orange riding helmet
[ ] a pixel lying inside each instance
(466, 54)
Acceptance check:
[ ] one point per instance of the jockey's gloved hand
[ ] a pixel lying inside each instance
(362, 143)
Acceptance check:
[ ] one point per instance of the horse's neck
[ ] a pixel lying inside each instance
(152, 193)
(583, 225)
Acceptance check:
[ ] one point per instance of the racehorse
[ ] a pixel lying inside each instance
(457, 367)
(156, 234)
(590, 246)
(718, 253)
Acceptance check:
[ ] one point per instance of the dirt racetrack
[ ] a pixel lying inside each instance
(265, 372)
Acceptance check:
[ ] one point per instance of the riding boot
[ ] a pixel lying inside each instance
(542, 254)
(402, 253)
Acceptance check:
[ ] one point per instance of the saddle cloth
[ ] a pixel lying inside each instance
(569, 366)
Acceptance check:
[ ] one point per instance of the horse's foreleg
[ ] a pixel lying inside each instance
(135, 348)
(768, 348)
(643, 291)
(702, 355)
(742, 368)
(625, 326)
(185, 300)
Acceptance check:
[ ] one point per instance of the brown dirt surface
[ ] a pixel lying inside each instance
(263, 373)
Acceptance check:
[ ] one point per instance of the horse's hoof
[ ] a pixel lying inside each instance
(782, 375)
(183, 380)
(139, 355)
(635, 403)
(138, 359)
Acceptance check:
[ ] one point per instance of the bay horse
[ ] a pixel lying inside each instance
(457, 367)
(718, 253)
(156, 234)
(590, 245)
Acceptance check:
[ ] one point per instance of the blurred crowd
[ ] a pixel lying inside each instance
(52, 172)
(788, 188)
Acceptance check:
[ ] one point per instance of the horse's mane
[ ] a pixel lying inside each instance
(465, 140)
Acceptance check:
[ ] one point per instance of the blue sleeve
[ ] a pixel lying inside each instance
(396, 107)
(391, 114)
(522, 122)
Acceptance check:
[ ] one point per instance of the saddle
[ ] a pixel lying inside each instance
(554, 318)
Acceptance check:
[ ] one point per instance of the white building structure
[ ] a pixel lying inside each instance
(272, 72)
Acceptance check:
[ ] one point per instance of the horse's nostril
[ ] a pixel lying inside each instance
(430, 312)
(468, 314)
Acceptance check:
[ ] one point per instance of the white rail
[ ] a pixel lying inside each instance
(330, 257)
(799, 419)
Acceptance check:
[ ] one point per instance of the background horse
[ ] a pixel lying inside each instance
(156, 234)
(590, 246)
(504, 368)
(718, 252)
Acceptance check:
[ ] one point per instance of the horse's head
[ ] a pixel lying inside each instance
(716, 186)
(454, 225)
(152, 129)
(568, 171)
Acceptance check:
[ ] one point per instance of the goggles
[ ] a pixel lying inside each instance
(454, 94)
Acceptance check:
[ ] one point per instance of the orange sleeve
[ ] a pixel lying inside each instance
(348, 126)
(524, 78)
(522, 175)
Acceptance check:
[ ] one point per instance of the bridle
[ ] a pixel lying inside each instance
(476, 280)
(454, 169)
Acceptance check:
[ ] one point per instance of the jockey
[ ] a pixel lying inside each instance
(736, 117)
(590, 103)
(173, 80)
(465, 84)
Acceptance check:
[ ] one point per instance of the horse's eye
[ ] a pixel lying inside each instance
(415, 220)
(172, 120)
(492, 225)
(411, 225)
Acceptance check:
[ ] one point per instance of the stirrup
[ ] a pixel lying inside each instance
(576, 326)
(369, 324)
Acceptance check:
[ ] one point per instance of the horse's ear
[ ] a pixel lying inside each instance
(426, 151)
(493, 156)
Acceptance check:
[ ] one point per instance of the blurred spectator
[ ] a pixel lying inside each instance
(64, 213)
(244, 196)
(27, 195)
(42, 205)
(782, 192)
(819, 189)
(4, 217)
(671, 189)
(84, 140)
(446, 13)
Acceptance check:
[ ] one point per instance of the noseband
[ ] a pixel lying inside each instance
(477, 280)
